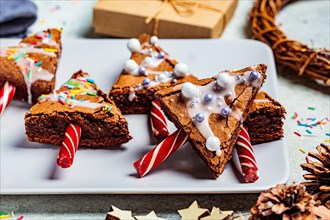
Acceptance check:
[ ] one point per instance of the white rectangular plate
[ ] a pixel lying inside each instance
(30, 168)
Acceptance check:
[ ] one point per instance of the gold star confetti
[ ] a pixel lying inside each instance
(151, 216)
(217, 214)
(194, 212)
(118, 214)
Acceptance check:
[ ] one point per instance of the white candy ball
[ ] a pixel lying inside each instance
(212, 143)
(154, 39)
(189, 90)
(131, 67)
(224, 80)
(163, 78)
(181, 69)
(134, 45)
(147, 61)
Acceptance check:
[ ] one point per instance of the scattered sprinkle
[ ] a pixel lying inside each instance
(91, 94)
(3, 213)
(296, 133)
(308, 131)
(327, 140)
(307, 160)
(109, 108)
(20, 218)
(10, 57)
(90, 80)
(4, 216)
(327, 134)
(29, 74)
(302, 150)
(311, 108)
(19, 56)
(39, 63)
(50, 50)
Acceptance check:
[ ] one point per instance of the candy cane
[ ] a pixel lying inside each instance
(69, 146)
(158, 121)
(246, 157)
(7, 93)
(162, 151)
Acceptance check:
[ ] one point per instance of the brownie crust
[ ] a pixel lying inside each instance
(265, 119)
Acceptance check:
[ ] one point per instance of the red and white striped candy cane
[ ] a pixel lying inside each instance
(246, 157)
(69, 146)
(158, 121)
(162, 151)
(7, 93)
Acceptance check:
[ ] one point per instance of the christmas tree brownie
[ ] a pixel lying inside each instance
(31, 65)
(211, 111)
(79, 101)
(149, 69)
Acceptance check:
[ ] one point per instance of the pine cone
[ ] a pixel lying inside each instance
(284, 202)
(319, 177)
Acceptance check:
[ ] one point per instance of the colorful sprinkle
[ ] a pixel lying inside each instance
(311, 108)
(91, 94)
(307, 160)
(327, 134)
(3, 213)
(20, 218)
(296, 133)
(19, 56)
(302, 150)
(109, 108)
(10, 57)
(308, 131)
(90, 80)
(4, 216)
(50, 50)
(39, 63)
(327, 140)
(29, 74)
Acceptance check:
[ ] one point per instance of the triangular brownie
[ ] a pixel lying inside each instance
(32, 64)
(149, 69)
(81, 102)
(212, 111)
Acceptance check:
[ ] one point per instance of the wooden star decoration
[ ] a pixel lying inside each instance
(194, 212)
(217, 214)
(118, 214)
(151, 216)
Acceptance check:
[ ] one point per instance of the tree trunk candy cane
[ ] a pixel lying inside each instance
(7, 93)
(69, 146)
(246, 157)
(162, 151)
(158, 121)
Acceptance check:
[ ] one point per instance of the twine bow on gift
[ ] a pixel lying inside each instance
(184, 8)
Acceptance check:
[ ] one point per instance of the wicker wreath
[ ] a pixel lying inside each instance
(307, 62)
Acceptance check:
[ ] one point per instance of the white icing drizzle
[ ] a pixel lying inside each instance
(149, 64)
(30, 71)
(202, 101)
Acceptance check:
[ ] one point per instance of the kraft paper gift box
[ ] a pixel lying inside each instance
(164, 18)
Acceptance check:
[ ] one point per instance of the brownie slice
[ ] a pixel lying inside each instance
(149, 69)
(212, 110)
(265, 119)
(31, 65)
(78, 101)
